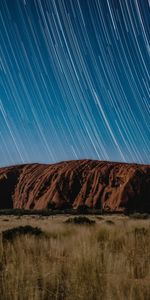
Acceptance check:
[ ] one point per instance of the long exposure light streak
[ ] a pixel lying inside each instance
(75, 80)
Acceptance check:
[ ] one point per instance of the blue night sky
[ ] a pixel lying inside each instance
(74, 80)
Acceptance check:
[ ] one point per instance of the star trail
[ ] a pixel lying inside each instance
(75, 80)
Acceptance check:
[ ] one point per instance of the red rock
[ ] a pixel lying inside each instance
(97, 184)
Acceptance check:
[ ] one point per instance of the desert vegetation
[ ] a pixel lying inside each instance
(53, 258)
(80, 220)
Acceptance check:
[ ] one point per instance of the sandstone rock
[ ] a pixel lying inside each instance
(109, 186)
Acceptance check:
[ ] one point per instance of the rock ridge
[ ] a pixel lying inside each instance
(109, 186)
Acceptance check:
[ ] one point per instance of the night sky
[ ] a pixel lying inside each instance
(75, 80)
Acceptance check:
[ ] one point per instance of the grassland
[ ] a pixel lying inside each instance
(106, 260)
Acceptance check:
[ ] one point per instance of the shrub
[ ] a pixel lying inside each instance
(110, 222)
(13, 232)
(80, 220)
(100, 218)
(140, 216)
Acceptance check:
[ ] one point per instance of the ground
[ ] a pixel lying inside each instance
(106, 260)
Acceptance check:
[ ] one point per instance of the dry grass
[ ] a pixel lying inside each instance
(110, 260)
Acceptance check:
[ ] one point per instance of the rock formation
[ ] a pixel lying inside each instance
(104, 185)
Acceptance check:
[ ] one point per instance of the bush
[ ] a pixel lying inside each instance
(100, 218)
(139, 216)
(80, 220)
(110, 222)
(13, 232)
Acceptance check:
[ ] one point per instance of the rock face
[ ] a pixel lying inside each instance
(103, 185)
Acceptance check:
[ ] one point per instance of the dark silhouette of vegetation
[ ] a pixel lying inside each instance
(80, 220)
(110, 222)
(82, 210)
(140, 216)
(12, 233)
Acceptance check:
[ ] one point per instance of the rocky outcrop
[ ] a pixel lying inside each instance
(103, 185)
